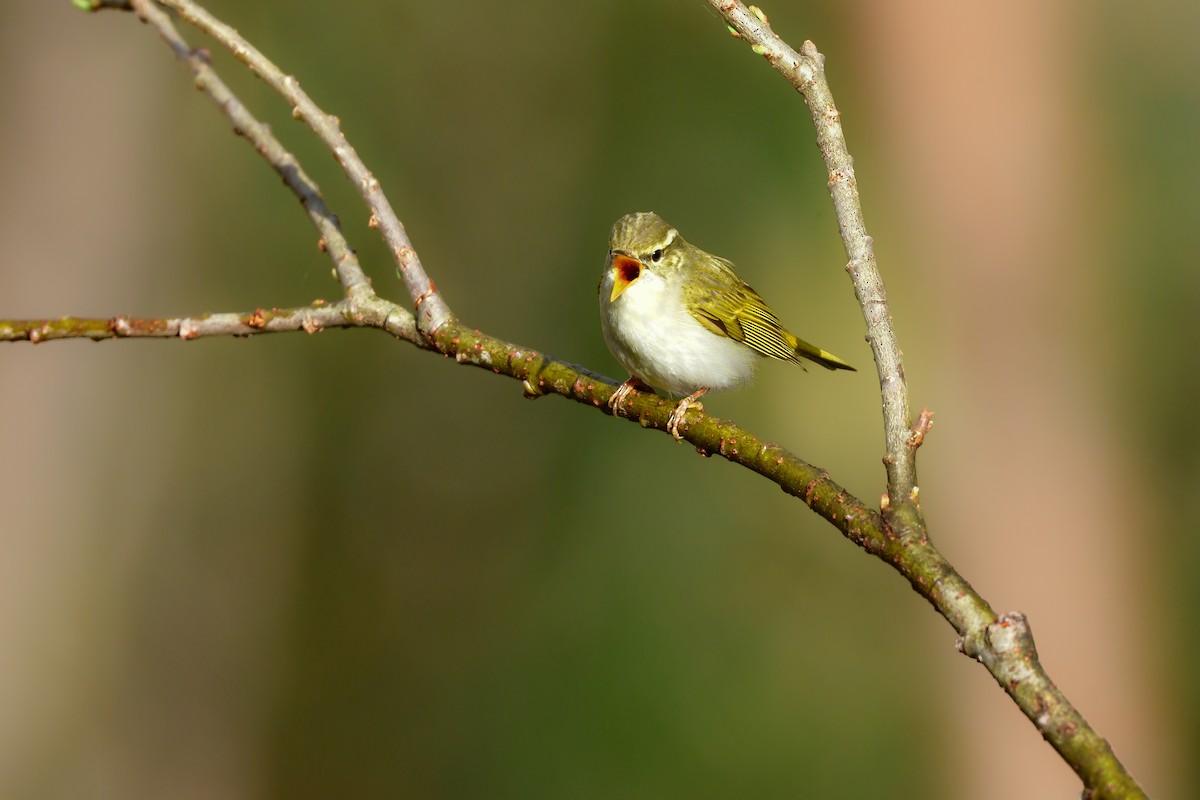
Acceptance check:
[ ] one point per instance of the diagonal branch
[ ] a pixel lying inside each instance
(538, 373)
(431, 308)
(1004, 645)
(806, 72)
(354, 281)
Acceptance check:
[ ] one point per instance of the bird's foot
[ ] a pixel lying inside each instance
(633, 384)
(685, 405)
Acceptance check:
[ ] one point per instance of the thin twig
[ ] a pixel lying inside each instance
(354, 281)
(431, 309)
(924, 425)
(1005, 644)
(101, 5)
(373, 313)
(806, 72)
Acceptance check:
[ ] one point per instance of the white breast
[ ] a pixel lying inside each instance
(651, 333)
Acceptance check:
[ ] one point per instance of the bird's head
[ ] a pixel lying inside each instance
(642, 241)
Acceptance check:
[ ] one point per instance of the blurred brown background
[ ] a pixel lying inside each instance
(335, 565)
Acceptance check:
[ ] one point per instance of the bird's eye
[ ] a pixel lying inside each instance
(656, 256)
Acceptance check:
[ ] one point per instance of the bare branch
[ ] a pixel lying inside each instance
(806, 72)
(1005, 645)
(432, 311)
(354, 281)
(320, 315)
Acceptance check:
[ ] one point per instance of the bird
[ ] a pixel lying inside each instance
(682, 320)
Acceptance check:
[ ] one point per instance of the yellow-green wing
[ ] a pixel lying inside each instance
(727, 306)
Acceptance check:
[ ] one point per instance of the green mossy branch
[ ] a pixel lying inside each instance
(540, 374)
(1002, 644)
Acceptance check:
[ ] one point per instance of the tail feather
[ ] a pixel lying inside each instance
(819, 356)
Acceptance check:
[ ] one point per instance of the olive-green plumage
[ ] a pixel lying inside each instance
(681, 320)
(712, 292)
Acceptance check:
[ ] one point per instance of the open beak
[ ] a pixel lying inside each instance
(625, 271)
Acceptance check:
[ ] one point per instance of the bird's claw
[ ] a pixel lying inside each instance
(685, 405)
(617, 398)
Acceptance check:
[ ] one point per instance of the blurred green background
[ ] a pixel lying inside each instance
(334, 565)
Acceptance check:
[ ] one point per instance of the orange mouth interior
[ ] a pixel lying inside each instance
(626, 270)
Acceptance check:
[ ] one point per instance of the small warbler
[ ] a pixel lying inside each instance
(681, 320)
